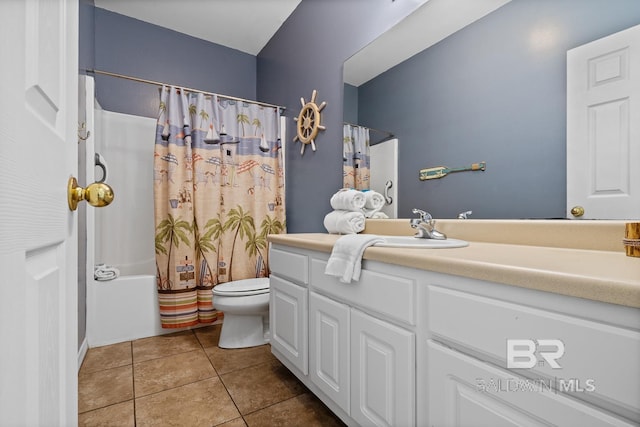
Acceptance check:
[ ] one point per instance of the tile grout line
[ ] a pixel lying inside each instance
(273, 404)
(133, 384)
(223, 384)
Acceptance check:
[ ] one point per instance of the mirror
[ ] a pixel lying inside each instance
(490, 87)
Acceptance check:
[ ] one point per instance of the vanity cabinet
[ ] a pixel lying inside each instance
(509, 356)
(373, 320)
(360, 356)
(412, 347)
(364, 364)
(288, 313)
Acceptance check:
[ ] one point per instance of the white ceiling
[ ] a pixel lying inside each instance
(245, 25)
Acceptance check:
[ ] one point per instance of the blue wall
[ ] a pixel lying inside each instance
(86, 35)
(485, 93)
(524, 151)
(307, 53)
(350, 104)
(135, 48)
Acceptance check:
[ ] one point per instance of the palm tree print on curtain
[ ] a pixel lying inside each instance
(219, 191)
(356, 159)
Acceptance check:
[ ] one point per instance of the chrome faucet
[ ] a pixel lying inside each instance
(425, 226)
(464, 215)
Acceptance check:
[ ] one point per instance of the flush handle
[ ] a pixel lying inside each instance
(97, 194)
(577, 211)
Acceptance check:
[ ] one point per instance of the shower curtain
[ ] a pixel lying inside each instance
(355, 157)
(218, 192)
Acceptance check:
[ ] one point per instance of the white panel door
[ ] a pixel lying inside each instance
(288, 317)
(603, 130)
(329, 348)
(382, 372)
(384, 170)
(38, 243)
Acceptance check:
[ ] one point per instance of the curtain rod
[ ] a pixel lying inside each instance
(373, 129)
(153, 82)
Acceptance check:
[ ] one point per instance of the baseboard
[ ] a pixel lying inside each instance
(82, 352)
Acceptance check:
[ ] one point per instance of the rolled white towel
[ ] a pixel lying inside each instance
(373, 200)
(373, 203)
(344, 222)
(348, 200)
(103, 272)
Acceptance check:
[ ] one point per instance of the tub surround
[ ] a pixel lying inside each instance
(582, 259)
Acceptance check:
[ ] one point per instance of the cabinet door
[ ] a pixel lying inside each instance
(329, 348)
(464, 391)
(382, 372)
(288, 321)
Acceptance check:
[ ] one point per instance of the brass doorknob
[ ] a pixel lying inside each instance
(577, 211)
(97, 194)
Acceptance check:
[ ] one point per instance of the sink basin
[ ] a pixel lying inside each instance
(413, 242)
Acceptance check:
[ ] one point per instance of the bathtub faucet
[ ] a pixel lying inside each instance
(425, 226)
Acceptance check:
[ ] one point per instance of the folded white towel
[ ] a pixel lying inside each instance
(373, 203)
(346, 257)
(105, 272)
(348, 200)
(344, 222)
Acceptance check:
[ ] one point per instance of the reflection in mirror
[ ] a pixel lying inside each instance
(371, 165)
(355, 157)
(493, 91)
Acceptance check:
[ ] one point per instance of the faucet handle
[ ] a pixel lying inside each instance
(424, 216)
(464, 215)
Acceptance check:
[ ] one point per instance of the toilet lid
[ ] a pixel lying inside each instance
(243, 287)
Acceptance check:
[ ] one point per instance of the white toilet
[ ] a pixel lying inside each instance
(245, 304)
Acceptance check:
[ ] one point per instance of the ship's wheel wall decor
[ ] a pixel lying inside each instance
(308, 122)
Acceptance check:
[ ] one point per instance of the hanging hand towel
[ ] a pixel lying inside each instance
(346, 257)
(348, 200)
(103, 272)
(373, 203)
(344, 222)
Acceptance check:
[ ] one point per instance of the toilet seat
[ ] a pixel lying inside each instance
(240, 288)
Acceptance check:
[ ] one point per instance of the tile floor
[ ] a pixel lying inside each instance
(185, 379)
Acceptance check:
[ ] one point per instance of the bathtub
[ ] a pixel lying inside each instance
(122, 309)
(126, 308)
